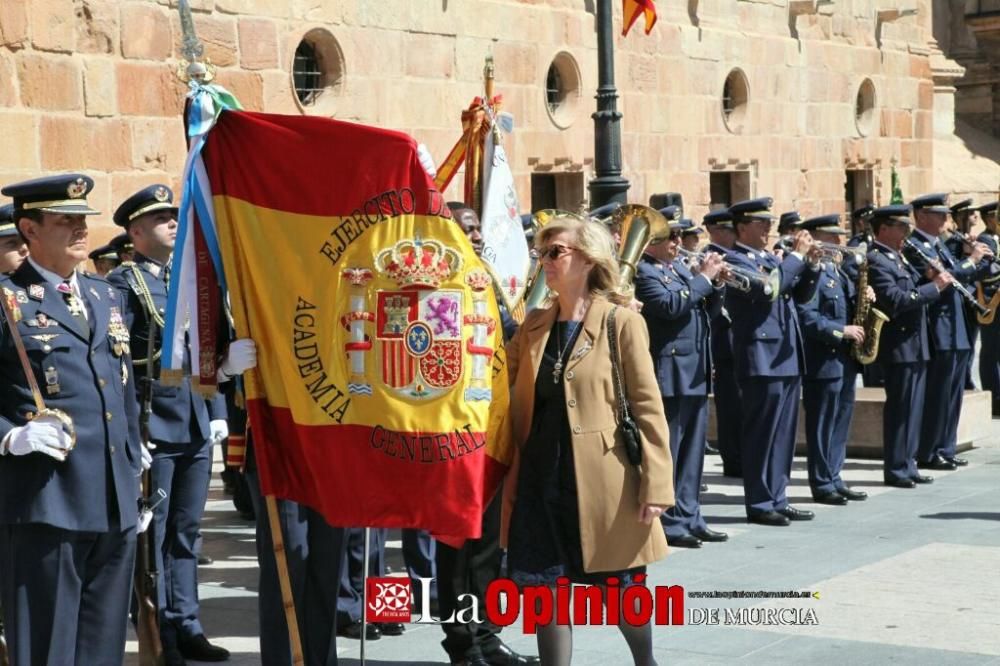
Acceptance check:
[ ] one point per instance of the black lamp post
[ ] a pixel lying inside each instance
(608, 185)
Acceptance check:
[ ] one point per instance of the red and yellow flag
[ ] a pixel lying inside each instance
(380, 394)
(633, 9)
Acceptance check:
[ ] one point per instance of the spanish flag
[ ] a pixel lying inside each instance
(633, 9)
(380, 394)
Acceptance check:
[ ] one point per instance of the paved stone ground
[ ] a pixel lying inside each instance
(909, 576)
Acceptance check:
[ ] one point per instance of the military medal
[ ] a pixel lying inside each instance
(95, 294)
(22, 297)
(36, 291)
(52, 381)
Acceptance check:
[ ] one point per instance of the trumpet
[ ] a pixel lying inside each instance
(833, 251)
(737, 277)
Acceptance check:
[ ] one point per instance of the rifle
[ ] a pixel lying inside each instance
(146, 573)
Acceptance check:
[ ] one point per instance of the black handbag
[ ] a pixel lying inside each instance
(626, 425)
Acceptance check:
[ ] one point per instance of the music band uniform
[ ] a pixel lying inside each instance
(179, 427)
(986, 291)
(677, 306)
(67, 529)
(767, 347)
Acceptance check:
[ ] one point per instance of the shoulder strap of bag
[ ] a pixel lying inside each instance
(623, 411)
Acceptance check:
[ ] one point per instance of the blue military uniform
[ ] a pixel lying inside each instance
(957, 246)
(823, 318)
(725, 387)
(678, 306)
(903, 349)
(950, 342)
(788, 224)
(178, 426)
(871, 374)
(67, 529)
(986, 292)
(767, 349)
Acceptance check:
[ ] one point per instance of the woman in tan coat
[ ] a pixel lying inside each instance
(574, 504)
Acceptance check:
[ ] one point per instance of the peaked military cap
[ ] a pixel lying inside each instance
(752, 209)
(121, 243)
(989, 209)
(62, 195)
(604, 211)
(963, 206)
(863, 212)
(720, 218)
(690, 228)
(673, 215)
(829, 224)
(895, 213)
(932, 203)
(104, 252)
(789, 221)
(7, 226)
(147, 200)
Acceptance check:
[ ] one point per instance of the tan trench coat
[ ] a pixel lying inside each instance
(610, 488)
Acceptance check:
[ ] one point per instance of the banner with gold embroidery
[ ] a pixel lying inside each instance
(380, 394)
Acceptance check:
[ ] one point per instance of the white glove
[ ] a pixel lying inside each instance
(45, 435)
(426, 161)
(241, 356)
(218, 430)
(146, 459)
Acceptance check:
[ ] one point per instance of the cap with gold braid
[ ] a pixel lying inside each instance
(65, 194)
(147, 200)
(7, 226)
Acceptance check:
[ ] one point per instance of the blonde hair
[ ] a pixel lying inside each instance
(597, 245)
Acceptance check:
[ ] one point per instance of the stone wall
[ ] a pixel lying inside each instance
(90, 85)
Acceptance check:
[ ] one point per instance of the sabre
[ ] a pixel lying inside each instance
(29, 375)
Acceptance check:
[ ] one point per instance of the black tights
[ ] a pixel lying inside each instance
(555, 642)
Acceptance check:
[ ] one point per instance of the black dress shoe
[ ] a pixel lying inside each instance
(173, 657)
(500, 654)
(900, 483)
(472, 661)
(732, 473)
(703, 488)
(710, 535)
(392, 628)
(853, 495)
(198, 648)
(353, 630)
(772, 518)
(919, 478)
(711, 450)
(684, 541)
(204, 560)
(937, 462)
(833, 498)
(792, 513)
(958, 462)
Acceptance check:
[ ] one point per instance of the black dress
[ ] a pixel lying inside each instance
(544, 539)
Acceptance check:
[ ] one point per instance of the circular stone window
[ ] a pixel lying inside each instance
(735, 97)
(318, 72)
(864, 108)
(562, 90)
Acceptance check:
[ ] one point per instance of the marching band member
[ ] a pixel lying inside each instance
(678, 303)
(904, 348)
(958, 243)
(767, 346)
(948, 333)
(986, 290)
(827, 336)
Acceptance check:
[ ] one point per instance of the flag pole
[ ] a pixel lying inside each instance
(364, 593)
(195, 69)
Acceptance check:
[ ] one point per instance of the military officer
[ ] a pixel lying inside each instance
(827, 337)
(987, 292)
(678, 303)
(871, 374)
(767, 346)
(67, 515)
(958, 243)
(719, 224)
(691, 236)
(105, 259)
(948, 330)
(183, 426)
(123, 246)
(13, 250)
(788, 224)
(904, 347)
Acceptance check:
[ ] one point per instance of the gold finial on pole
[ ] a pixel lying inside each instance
(193, 67)
(488, 72)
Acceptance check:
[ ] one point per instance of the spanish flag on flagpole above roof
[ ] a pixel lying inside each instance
(633, 9)
(380, 395)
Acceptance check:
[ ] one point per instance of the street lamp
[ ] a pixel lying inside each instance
(608, 185)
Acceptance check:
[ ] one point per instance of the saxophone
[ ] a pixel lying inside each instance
(867, 317)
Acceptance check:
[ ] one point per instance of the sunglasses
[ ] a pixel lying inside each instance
(552, 252)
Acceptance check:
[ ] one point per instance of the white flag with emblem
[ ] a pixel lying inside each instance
(505, 250)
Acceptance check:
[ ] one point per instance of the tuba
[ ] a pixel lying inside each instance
(867, 317)
(640, 226)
